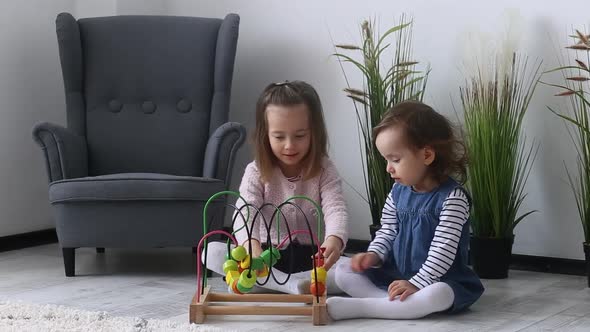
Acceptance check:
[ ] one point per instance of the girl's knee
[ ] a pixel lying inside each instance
(443, 289)
(341, 270)
(342, 274)
(440, 295)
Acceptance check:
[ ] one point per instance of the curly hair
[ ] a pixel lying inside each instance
(422, 127)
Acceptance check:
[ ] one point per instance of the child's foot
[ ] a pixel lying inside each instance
(293, 286)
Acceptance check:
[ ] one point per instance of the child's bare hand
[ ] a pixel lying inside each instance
(403, 288)
(256, 248)
(363, 261)
(333, 246)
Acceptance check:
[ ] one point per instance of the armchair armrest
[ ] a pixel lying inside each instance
(222, 148)
(66, 154)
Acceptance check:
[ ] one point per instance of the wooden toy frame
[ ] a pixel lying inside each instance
(209, 305)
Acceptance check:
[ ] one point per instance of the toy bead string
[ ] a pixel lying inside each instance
(249, 234)
(278, 213)
(278, 210)
(248, 230)
(300, 231)
(221, 193)
(318, 209)
(267, 225)
(232, 238)
(199, 246)
(227, 192)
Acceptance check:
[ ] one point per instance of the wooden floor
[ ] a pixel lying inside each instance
(160, 283)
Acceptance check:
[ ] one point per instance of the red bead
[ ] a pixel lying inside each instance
(319, 261)
(319, 257)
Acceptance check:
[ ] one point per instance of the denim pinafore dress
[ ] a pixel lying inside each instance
(417, 216)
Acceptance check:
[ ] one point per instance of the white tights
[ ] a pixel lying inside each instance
(369, 301)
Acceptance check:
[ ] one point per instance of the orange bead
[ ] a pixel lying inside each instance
(234, 287)
(317, 288)
(263, 272)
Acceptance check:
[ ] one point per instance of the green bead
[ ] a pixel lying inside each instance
(276, 255)
(243, 289)
(238, 253)
(230, 265)
(266, 256)
(247, 281)
(257, 263)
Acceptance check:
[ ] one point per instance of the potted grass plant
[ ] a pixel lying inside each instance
(576, 87)
(494, 104)
(385, 83)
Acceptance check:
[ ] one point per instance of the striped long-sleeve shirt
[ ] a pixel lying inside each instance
(444, 245)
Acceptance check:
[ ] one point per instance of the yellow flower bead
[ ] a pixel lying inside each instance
(321, 274)
(245, 263)
(230, 276)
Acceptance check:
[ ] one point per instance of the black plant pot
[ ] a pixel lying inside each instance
(373, 228)
(490, 257)
(587, 252)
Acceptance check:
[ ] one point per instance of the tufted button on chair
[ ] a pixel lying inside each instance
(147, 139)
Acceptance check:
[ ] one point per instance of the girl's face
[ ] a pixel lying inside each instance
(289, 135)
(406, 165)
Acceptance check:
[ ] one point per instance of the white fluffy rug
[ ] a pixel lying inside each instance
(16, 316)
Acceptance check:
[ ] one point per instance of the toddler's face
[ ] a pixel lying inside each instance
(289, 135)
(406, 165)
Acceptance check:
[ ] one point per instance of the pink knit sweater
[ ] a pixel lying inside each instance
(325, 189)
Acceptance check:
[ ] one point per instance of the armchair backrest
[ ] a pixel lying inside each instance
(147, 91)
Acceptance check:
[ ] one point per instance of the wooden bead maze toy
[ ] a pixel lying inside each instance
(244, 272)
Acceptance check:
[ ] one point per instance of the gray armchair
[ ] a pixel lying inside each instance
(147, 139)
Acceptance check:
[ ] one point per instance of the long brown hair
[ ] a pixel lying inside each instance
(288, 94)
(422, 127)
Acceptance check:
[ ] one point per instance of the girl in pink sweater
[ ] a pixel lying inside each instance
(290, 143)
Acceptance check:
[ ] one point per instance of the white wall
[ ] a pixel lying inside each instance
(291, 40)
(30, 91)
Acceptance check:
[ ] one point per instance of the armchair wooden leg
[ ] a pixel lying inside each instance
(100, 250)
(69, 261)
